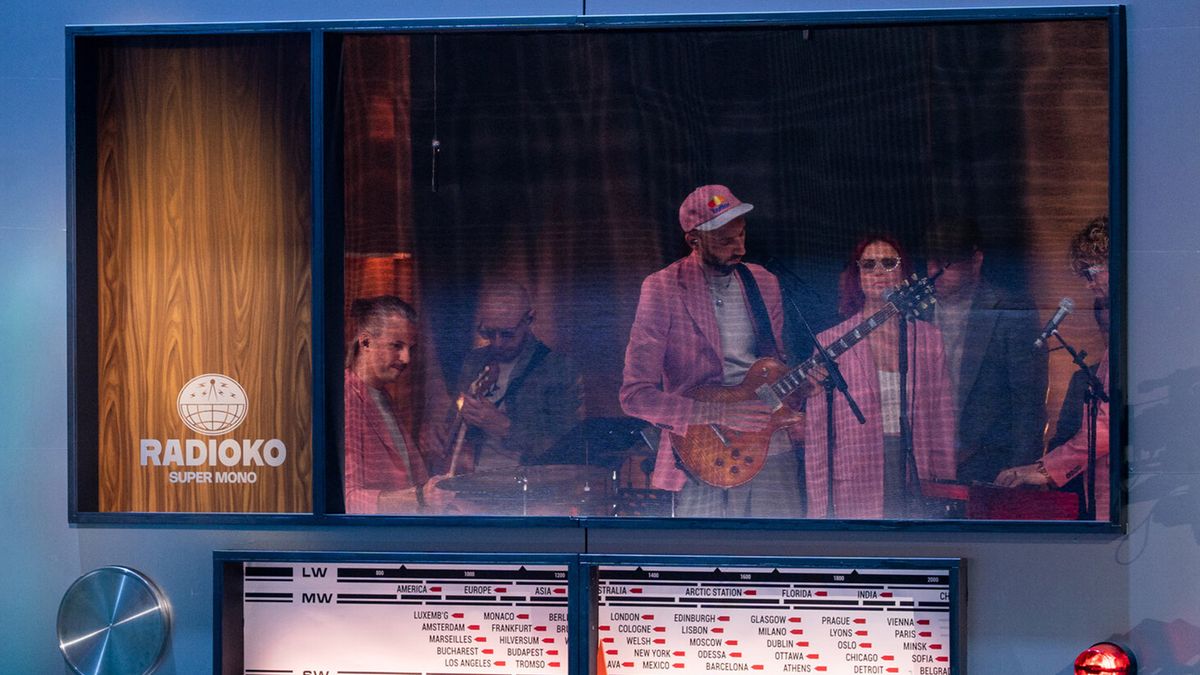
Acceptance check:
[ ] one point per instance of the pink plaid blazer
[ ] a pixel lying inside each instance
(372, 462)
(1070, 459)
(858, 462)
(675, 345)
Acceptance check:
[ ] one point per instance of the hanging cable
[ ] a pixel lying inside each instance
(435, 146)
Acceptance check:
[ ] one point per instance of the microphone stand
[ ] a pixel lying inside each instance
(833, 380)
(908, 495)
(1093, 396)
(906, 444)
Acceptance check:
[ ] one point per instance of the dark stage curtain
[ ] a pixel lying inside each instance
(564, 158)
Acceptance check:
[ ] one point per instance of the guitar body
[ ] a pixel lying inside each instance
(724, 457)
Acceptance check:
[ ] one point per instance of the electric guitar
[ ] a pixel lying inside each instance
(724, 457)
(481, 387)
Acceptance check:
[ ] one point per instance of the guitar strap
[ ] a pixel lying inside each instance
(539, 352)
(764, 337)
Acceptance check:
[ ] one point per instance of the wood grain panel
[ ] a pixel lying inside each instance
(204, 259)
(1066, 113)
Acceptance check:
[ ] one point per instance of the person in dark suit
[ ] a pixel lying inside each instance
(531, 395)
(998, 377)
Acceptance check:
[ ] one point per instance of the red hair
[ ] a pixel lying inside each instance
(850, 293)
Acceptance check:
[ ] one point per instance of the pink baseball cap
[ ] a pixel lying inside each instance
(710, 207)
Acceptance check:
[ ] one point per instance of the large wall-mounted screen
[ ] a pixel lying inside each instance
(583, 270)
(800, 270)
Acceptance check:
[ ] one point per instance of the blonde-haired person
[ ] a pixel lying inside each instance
(1089, 259)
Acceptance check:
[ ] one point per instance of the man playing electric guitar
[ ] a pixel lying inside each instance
(703, 320)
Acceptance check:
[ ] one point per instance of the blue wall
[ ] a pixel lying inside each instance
(1034, 601)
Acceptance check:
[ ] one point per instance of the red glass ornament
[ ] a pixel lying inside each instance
(1105, 658)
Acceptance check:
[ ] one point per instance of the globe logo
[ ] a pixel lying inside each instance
(212, 404)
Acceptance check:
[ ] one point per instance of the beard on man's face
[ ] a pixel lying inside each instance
(721, 265)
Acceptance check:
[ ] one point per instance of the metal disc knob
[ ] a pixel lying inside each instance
(113, 621)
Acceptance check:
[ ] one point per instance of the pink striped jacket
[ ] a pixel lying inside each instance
(674, 346)
(858, 462)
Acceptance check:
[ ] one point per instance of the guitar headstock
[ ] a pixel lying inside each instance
(913, 296)
(484, 384)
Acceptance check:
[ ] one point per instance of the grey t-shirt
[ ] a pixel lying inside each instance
(738, 340)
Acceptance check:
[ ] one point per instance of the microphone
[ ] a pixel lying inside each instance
(1064, 308)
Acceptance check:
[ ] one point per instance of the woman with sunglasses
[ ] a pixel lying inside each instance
(871, 477)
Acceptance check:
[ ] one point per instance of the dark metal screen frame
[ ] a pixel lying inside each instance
(327, 263)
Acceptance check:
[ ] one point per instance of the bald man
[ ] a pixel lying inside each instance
(538, 393)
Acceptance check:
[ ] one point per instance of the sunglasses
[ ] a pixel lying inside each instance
(1090, 273)
(885, 264)
(501, 333)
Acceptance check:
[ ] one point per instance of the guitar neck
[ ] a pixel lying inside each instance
(483, 385)
(789, 383)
